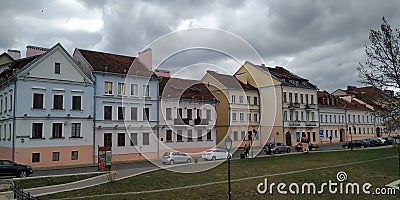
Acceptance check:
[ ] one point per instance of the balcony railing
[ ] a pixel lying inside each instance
(294, 124)
(311, 123)
(310, 106)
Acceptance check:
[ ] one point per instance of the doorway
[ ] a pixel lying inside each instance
(378, 132)
(341, 135)
(288, 139)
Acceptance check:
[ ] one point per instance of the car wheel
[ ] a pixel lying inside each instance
(171, 162)
(22, 174)
(189, 160)
(213, 158)
(276, 151)
(288, 150)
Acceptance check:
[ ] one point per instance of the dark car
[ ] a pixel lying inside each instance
(9, 168)
(373, 142)
(311, 146)
(356, 143)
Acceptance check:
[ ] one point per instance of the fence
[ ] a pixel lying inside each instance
(19, 194)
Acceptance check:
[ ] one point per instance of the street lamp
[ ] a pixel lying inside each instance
(228, 145)
(398, 147)
(351, 137)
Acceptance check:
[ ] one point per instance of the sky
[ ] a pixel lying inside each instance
(320, 40)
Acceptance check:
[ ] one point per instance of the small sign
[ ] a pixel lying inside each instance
(104, 158)
(321, 133)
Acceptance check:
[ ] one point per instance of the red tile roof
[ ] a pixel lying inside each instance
(184, 89)
(15, 66)
(355, 105)
(108, 62)
(230, 81)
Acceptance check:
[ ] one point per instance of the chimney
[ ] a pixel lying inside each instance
(145, 57)
(33, 50)
(15, 54)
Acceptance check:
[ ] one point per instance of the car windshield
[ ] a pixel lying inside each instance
(166, 154)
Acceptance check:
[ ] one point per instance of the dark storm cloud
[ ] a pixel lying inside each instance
(320, 40)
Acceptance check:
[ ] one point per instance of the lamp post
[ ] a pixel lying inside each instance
(228, 145)
(351, 137)
(398, 147)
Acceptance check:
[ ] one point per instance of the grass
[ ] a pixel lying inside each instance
(40, 182)
(378, 173)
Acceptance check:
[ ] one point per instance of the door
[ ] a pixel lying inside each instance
(378, 132)
(288, 139)
(341, 135)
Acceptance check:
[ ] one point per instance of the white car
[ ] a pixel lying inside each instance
(214, 154)
(381, 139)
(173, 157)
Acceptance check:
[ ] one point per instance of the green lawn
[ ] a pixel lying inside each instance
(40, 182)
(378, 173)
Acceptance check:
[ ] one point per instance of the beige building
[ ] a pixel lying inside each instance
(238, 112)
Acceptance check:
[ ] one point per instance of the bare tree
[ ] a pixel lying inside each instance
(382, 71)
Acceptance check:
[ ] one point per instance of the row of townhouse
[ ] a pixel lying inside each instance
(289, 107)
(57, 109)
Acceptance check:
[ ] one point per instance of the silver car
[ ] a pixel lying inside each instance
(214, 154)
(173, 157)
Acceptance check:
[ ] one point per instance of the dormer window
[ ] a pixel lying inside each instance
(57, 68)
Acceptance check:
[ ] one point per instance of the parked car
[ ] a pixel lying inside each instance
(10, 168)
(215, 154)
(382, 140)
(356, 143)
(373, 142)
(276, 148)
(311, 146)
(173, 157)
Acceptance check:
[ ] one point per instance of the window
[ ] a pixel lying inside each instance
(9, 131)
(146, 139)
(189, 113)
(240, 99)
(5, 104)
(134, 90)
(168, 113)
(57, 130)
(121, 113)
(290, 97)
(209, 135)
(133, 139)
(248, 99)
(1, 104)
(179, 135)
(37, 130)
(335, 133)
(301, 98)
(243, 135)
(146, 114)
(121, 139)
(284, 97)
(121, 89)
(321, 118)
(199, 135)
(58, 102)
(107, 112)
(76, 103)
(107, 140)
(255, 100)
(306, 98)
(134, 113)
(57, 68)
(37, 101)
(241, 117)
(296, 98)
(198, 113)
(312, 99)
(285, 115)
(208, 114)
(301, 116)
(108, 87)
(235, 135)
(74, 155)
(233, 99)
(180, 113)
(359, 130)
(76, 130)
(0, 134)
(233, 116)
(249, 116)
(256, 117)
(35, 157)
(190, 136)
(146, 90)
(169, 135)
(56, 156)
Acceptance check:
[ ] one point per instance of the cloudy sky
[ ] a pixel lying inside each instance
(320, 40)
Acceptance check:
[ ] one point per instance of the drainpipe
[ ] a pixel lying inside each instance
(14, 121)
(158, 119)
(94, 119)
(283, 120)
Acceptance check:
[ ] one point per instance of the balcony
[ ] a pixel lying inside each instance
(293, 105)
(294, 124)
(310, 106)
(179, 121)
(311, 123)
(199, 121)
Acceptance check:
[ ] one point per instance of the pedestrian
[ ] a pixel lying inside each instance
(246, 151)
(330, 139)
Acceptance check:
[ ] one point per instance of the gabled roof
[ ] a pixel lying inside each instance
(230, 82)
(369, 94)
(184, 89)
(5, 54)
(15, 66)
(345, 102)
(114, 63)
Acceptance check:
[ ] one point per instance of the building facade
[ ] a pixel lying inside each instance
(46, 119)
